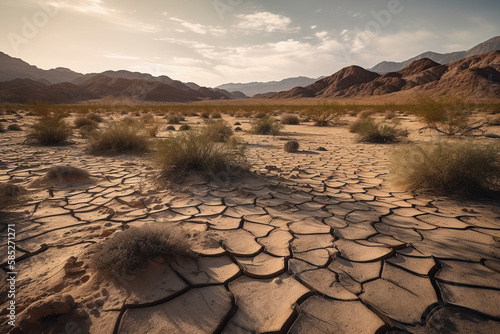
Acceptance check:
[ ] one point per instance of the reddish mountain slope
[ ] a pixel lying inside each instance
(479, 75)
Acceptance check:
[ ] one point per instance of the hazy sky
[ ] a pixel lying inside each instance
(212, 42)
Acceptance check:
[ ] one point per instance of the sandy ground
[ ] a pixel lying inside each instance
(313, 242)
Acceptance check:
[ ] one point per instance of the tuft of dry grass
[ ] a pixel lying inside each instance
(290, 119)
(218, 130)
(153, 130)
(82, 121)
(130, 251)
(66, 173)
(215, 115)
(465, 169)
(451, 116)
(11, 194)
(291, 146)
(324, 118)
(372, 131)
(120, 137)
(50, 129)
(266, 125)
(196, 151)
(14, 127)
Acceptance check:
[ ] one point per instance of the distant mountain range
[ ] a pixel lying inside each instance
(255, 88)
(446, 58)
(21, 82)
(473, 71)
(477, 76)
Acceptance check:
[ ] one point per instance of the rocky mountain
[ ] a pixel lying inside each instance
(254, 88)
(103, 86)
(476, 75)
(389, 66)
(15, 68)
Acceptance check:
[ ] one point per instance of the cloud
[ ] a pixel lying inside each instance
(118, 56)
(84, 6)
(199, 28)
(264, 21)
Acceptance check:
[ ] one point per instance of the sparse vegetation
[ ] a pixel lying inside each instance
(451, 117)
(372, 131)
(130, 251)
(170, 128)
(95, 117)
(184, 127)
(195, 151)
(120, 137)
(153, 130)
(66, 174)
(2, 129)
(174, 119)
(10, 194)
(218, 130)
(215, 115)
(82, 121)
(14, 127)
(291, 146)
(448, 168)
(266, 125)
(322, 118)
(289, 119)
(389, 114)
(50, 129)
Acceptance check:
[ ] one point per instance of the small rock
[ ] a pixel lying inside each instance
(322, 149)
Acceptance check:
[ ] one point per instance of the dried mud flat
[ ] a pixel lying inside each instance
(313, 242)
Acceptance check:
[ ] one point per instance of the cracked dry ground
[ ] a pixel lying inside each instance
(318, 242)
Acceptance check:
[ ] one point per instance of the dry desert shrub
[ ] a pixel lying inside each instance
(205, 114)
(451, 116)
(372, 131)
(130, 251)
(66, 173)
(2, 129)
(95, 117)
(218, 130)
(170, 128)
(464, 168)
(50, 128)
(389, 114)
(289, 119)
(184, 127)
(364, 114)
(324, 118)
(82, 121)
(215, 115)
(196, 151)
(14, 127)
(174, 118)
(121, 137)
(11, 194)
(266, 125)
(494, 120)
(153, 130)
(291, 146)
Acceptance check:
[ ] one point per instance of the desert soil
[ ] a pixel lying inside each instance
(317, 241)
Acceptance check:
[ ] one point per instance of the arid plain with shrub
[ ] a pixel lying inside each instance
(164, 218)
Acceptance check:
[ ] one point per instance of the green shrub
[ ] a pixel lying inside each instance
(195, 151)
(218, 130)
(130, 251)
(266, 125)
(290, 119)
(50, 129)
(291, 146)
(448, 168)
(119, 137)
(372, 131)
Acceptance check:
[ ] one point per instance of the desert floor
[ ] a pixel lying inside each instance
(317, 241)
